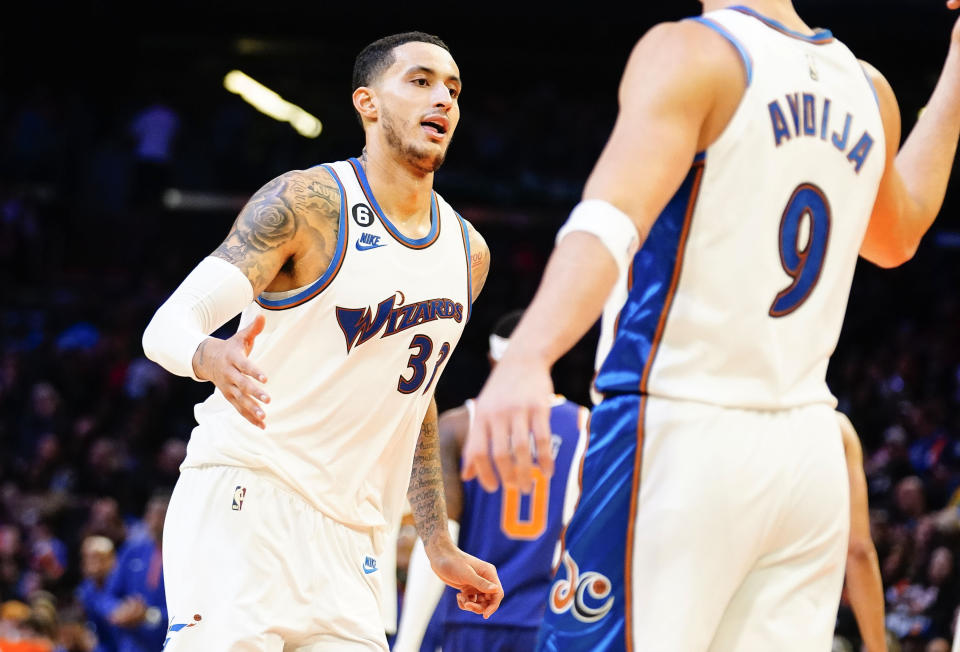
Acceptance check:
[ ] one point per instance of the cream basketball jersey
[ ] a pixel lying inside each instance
(352, 361)
(737, 296)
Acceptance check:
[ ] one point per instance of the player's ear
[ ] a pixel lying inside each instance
(366, 103)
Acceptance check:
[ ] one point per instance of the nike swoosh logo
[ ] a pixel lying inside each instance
(366, 569)
(365, 247)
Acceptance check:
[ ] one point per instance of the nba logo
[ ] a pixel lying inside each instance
(238, 495)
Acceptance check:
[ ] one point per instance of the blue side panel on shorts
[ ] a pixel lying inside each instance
(654, 274)
(587, 603)
(524, 562)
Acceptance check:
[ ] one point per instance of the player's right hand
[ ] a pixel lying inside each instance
(513, 406)
(227, 365)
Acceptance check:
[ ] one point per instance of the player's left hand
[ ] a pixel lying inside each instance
(479, 586)
(513, 405)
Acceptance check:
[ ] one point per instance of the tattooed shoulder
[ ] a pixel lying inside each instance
(318, 198)
(264, 236)
(479, 259)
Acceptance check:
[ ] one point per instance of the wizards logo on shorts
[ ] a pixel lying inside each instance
(392, 316)
(176, 627)
(586, 596)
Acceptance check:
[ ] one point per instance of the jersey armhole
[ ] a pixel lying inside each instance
(870, 81)
(466, 247)
(293, 298)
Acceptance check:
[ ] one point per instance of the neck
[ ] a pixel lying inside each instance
(402, 191)
(781, 11)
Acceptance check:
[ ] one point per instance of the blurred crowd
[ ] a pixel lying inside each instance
(92, 433)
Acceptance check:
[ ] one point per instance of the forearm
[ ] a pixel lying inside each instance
(425, 492)
(865, 588)
(576, 283)
(212, 294)
(926, 158)
(421, 595)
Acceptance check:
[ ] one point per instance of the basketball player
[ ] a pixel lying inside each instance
(519, 534)
(863, 579)
(752, 159)
(354, 280)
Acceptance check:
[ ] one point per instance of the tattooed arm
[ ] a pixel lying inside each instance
(477, 582)
(283, 238)
(426, 483)
(293, 217)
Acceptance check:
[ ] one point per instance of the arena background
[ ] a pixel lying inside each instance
(95, 232)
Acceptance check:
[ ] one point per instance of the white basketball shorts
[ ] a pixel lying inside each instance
(250, 566)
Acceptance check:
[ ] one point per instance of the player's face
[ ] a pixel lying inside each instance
(419, 110)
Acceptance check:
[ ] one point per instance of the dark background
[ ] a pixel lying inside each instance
(539, 99)
(88, 251)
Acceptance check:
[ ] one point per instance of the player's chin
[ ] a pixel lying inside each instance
(433, 160)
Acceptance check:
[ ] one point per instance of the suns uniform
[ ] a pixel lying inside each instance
(714, 513)
(519, 534)
(352, 361)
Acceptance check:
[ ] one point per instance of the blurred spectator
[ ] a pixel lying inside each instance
(154, 129)
(105, 520)
(923, 610)
(98, 562)
(48, 554)
(140, 617)
(29, 628)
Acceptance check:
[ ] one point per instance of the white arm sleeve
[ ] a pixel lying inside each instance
(211, 295)
(420, 597)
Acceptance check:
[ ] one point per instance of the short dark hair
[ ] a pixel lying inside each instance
(505, 325)
(378, 56)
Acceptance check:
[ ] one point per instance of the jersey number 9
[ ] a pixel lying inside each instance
(803, 246)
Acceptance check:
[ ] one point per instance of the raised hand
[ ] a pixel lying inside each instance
(227, 365)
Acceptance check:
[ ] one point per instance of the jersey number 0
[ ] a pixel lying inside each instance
(512, 522)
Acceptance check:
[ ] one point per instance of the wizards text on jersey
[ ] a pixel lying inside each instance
(810, 116)
(392, 316)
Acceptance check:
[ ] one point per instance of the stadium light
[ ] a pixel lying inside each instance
(270, 103)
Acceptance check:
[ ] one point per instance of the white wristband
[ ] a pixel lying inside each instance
(211, 295)
(612, 226)
(498, 346)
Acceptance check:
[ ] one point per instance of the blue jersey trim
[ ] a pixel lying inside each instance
(655, 272)
(419, 243)
(466, 246)
(872, 87)
(820, 37)
(321, 283)
(720, 29)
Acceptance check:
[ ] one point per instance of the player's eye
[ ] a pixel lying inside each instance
(454, 92)
(420, 81)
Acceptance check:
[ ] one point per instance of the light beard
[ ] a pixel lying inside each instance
(418, 157)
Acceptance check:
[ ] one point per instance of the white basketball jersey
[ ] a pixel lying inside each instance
(352, 361)
(738, 294)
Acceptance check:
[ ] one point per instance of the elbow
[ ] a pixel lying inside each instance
(860, 550)
(149, 341)
(895, 254)
(903, 252)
